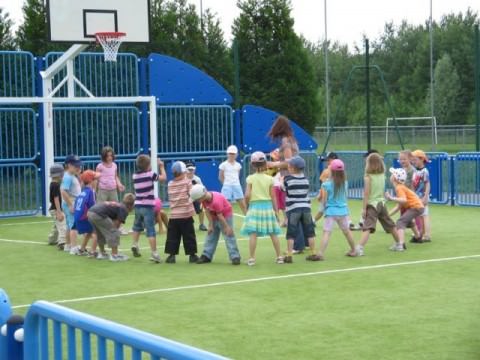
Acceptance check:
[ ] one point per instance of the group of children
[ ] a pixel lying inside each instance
(87, 204)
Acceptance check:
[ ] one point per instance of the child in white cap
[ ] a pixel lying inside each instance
(262, 214)
(408, 201)
(229, 176)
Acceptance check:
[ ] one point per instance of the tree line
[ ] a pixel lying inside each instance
(281, 70)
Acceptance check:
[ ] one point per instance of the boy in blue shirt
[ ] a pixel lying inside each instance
(70, 189)
(83, 202)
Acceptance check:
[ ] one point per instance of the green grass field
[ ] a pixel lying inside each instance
(420, 304)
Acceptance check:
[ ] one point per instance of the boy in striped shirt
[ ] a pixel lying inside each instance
(180, 223)
(298, 207)
(143, 181)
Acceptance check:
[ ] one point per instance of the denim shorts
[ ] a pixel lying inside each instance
(300, 217)
(232, 192)
(69, 219)
(144, 219)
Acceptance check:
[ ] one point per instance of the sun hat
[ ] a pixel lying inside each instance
(179, 167)
(337, 165)
(88, 176)
(258, 156)
(197, 191)
(399, 174)
(56, 170)
(421, 154)
(297, 162)
(232, 149)
(73, 160)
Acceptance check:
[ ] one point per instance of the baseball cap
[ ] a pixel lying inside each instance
(232, 149)
(421, 154)
(337, 165)
(88, 176)
(190, 164)
(56, 170)
(330, 156)
(73, 160)
(197, 191)
(297, 162)
(258, 156)
(179, 167)
(399, 174)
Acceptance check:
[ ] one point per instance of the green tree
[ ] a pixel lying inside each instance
(7, 41)
(32, 34)
(447, 92)
(275, 70)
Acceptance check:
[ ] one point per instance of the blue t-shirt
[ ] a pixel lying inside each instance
(71, 185)
(335, 205)
(83, 202)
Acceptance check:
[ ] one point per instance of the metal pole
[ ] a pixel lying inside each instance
(477, 88)
(201, 15)
(327, 80)
(432, 91)
(367, 93)
(236, 63)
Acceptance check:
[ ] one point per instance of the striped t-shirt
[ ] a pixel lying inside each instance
(296, 188)
(181, 207)
(143, 185)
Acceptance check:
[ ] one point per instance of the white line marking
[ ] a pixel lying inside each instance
(253, 280)
(27, 223)
(239, 215)
(23, 242)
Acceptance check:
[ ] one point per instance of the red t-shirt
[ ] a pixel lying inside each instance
(218, 205)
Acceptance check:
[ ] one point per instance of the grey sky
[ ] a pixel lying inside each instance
(348, 20)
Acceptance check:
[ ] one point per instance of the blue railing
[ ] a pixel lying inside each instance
(17, 76)
(49, 326)
(101, 77)
(18, 134)
(466, 173)
(355, 170)
(203, 129)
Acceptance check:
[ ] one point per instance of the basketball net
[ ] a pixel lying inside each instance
(110, 42)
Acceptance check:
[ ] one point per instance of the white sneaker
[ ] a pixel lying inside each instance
(66, 248)
(124, 231)
(155, 258)
(102, 256)
(251, 262)
(359, 250)
(118, 257)
(280, 260)
(397, 247)
(75, 250)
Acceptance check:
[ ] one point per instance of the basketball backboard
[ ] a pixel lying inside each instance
(77, 21)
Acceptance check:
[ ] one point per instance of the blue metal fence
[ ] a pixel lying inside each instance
(48, 326)
(102, 78)
(17, 76)
(18, 134)
(466, 174)
(355, 170)
(20, 189)
(85, 130)
(205, 129)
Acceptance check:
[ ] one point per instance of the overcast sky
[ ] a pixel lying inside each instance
(347, 19)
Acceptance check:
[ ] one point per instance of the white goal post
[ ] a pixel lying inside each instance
(431, 119)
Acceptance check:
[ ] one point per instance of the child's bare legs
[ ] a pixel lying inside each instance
(364, 238)
(73, 238)
(201, 217)
(276, 244)
(324, 243)
(396, 235)
(252, 244)
(94, 243)
(318, 216)
(135, 248)
(351, 242)
(164, 218)
(311, 244)
(426, 227)
(86, 238)
(153, 244)
(114, 250)
(158, 220)
(243, 206)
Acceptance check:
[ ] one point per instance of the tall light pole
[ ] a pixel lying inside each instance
(325, 49)
(201, 15)
(432, 91)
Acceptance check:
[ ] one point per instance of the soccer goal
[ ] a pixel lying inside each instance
(431, 120)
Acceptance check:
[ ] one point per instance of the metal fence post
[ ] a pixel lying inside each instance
(144, 115)
(40, 66)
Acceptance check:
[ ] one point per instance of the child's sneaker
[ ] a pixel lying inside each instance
(135, 251)
(204, 260)
(235, 261)
(170, 259)
(359, 250)
(288, 259)
(118, 257)
(202, 227)
(82, 252)
(155, 258)
(75, 250)
(102, 256)
(279, 260)
(92, 254)
(60, 246)
(123, 231)
(193, 259)
(314, 257)
(66, 247)
(416, 240)
(251, 262)
(397, 247)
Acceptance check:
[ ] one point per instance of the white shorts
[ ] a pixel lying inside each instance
(232, 192)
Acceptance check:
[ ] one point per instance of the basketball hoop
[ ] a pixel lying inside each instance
(110, 42)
